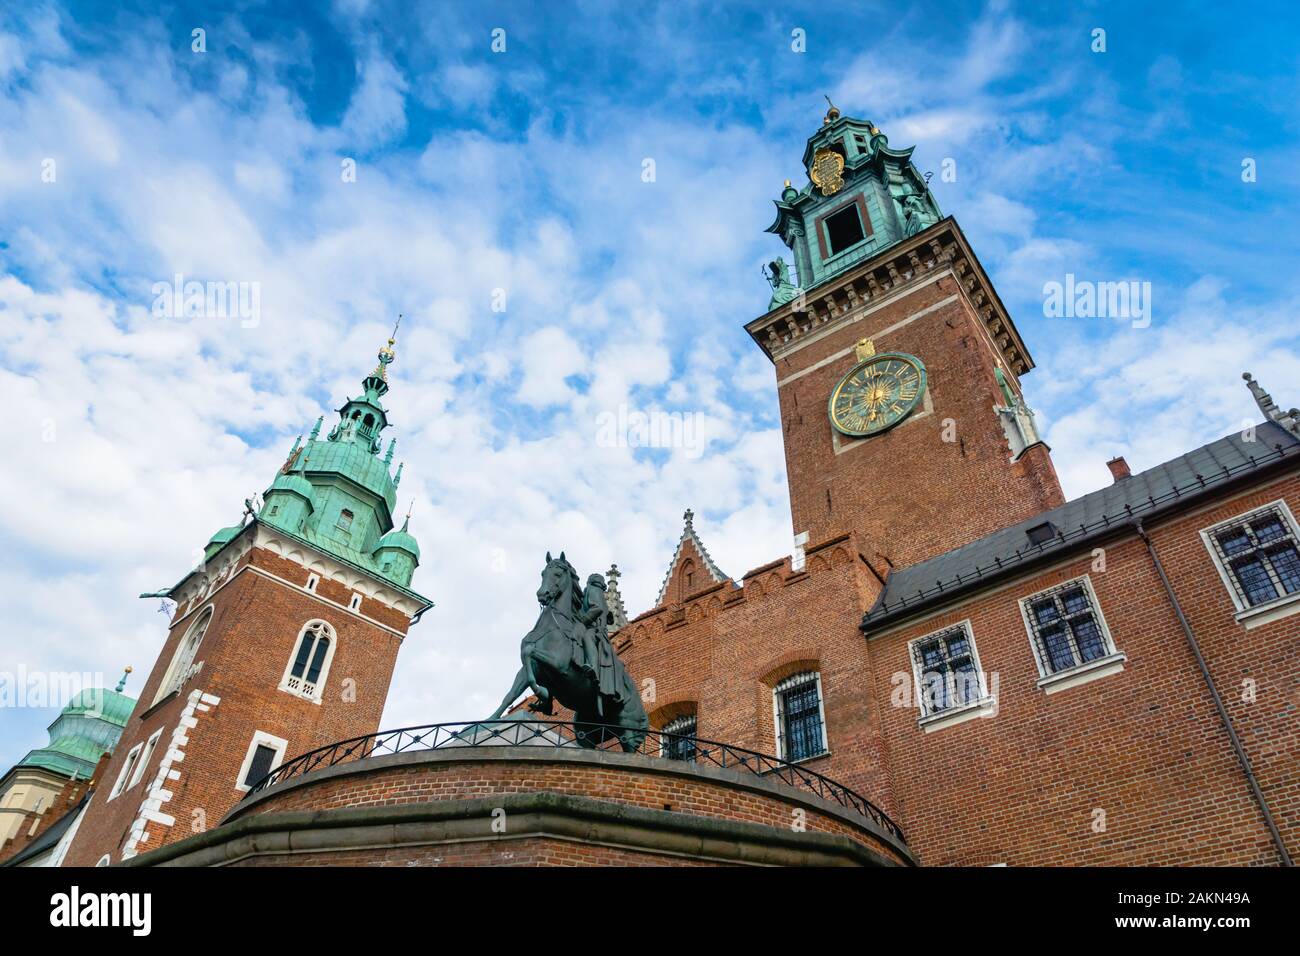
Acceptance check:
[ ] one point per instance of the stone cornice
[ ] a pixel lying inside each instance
(896, 269)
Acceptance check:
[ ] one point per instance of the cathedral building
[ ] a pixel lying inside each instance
(284, 638)
(978, 671)
(1014, 678)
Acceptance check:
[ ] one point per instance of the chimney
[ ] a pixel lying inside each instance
(1118, 468)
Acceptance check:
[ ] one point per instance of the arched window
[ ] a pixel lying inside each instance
(105, 860)
(183, 660)
(679, 740)
(310, 663)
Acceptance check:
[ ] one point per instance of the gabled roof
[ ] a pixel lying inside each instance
(689, 537)
(1096, 515)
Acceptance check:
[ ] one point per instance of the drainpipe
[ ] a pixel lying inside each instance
(1218, 701)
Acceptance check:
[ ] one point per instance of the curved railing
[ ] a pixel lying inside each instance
(540, 733)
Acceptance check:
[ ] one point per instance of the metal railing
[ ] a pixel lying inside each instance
(566, 735)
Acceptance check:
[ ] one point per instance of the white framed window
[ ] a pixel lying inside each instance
(1069, 636)
(1257, 554)
(312, 581)
(355, 603)
(142, 765)
(950, 684)
(681, 747)
(309, 662)
(105, 860)
(128, 766)
(181, 666)
(800, 718)
(265, 753)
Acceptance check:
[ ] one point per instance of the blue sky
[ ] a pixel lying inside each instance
(138, 436)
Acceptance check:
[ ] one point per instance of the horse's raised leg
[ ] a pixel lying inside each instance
(519, 686)
(530, 675)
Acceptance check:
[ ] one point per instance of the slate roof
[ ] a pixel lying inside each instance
(1093, 516)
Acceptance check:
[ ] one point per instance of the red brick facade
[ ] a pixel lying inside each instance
(1133, 767)
(260, 605)
(480, 807)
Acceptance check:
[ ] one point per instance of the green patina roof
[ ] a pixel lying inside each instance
(87, 727)
(401, 539)
(350, 487)
(295, 483)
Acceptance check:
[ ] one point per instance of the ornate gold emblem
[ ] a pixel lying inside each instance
(827, 166)
(864, 349)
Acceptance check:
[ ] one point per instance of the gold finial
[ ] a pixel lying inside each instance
(787, 184)
(388, 353)
(864, 349)
(832, 114)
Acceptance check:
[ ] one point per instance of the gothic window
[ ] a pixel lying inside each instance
(800, 728)
(183, 660)
(1256, 555)
(355, 603)
(265, 753)
(844, 229)
(309, 665)
(1066, 627)
(947, 670)
(679, 740)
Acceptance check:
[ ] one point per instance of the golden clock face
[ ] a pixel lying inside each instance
(877, 394)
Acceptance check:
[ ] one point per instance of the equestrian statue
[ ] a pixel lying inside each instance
(567, 657)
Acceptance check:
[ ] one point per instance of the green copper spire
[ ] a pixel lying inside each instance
(862, 196)
(338, 494)
(121, 685)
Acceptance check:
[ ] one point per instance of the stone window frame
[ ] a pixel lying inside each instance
(176, 675)
(778, 691)
(982, 705)
(120, 785)
(1253, 615)
(298, 685)
(260, 739)
(142, 764)
(1111, 662)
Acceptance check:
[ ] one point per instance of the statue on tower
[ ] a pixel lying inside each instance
(783, 290)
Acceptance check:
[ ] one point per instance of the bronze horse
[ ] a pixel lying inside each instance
(553, 667)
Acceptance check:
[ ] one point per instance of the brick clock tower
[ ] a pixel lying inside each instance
(900, 401)
(284, 639)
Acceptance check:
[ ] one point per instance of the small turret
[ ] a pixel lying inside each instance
(398, 554)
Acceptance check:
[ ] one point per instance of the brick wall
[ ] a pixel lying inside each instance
(908, 493)
(254, 630)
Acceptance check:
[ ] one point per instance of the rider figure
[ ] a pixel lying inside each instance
(595, 639)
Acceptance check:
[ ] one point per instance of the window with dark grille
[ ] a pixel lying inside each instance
(844, 229)
(679, 738)
(1259, 555)
(1066, 627)
(800, 733)
(260, 765)
(946, 670)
